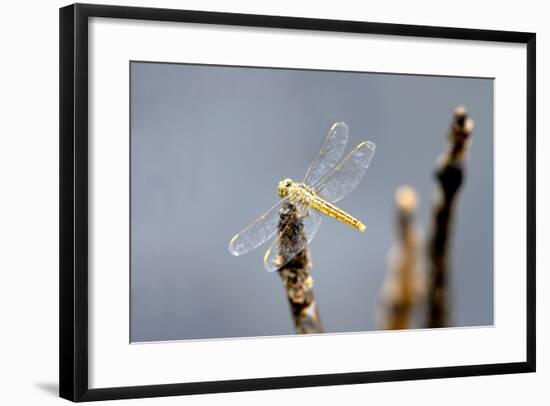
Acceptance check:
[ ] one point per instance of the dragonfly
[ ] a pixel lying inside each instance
(327, 180)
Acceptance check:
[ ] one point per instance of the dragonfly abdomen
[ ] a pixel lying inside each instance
(331, 210)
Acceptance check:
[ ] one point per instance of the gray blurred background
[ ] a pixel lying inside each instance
(208, 146)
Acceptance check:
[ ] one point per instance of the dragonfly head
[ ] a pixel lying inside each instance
(284, 186)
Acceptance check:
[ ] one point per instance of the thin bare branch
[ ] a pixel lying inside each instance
(450, 173)
(296, 277)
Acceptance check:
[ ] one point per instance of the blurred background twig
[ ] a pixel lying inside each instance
(295, 274)
(402, 286)
(449, 175)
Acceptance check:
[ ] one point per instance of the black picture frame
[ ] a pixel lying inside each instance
(73, 254)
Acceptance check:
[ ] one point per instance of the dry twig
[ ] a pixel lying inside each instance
(401, 289)
(449, 174)
(296, 277)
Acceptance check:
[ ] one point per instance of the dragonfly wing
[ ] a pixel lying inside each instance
(295, 236)
(347, 174)
(331, 151)
(258, 232)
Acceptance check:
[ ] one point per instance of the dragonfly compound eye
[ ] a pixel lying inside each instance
(282, 187)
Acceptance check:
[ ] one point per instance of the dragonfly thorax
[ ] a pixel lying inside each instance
(287, 187)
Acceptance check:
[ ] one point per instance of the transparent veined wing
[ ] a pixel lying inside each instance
(257, 232)
(347, 174)
(295, 235)
(331, 151)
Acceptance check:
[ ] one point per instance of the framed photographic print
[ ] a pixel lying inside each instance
(256, 202)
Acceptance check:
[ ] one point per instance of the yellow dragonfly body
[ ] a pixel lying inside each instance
(327, 181)
(304, 194)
